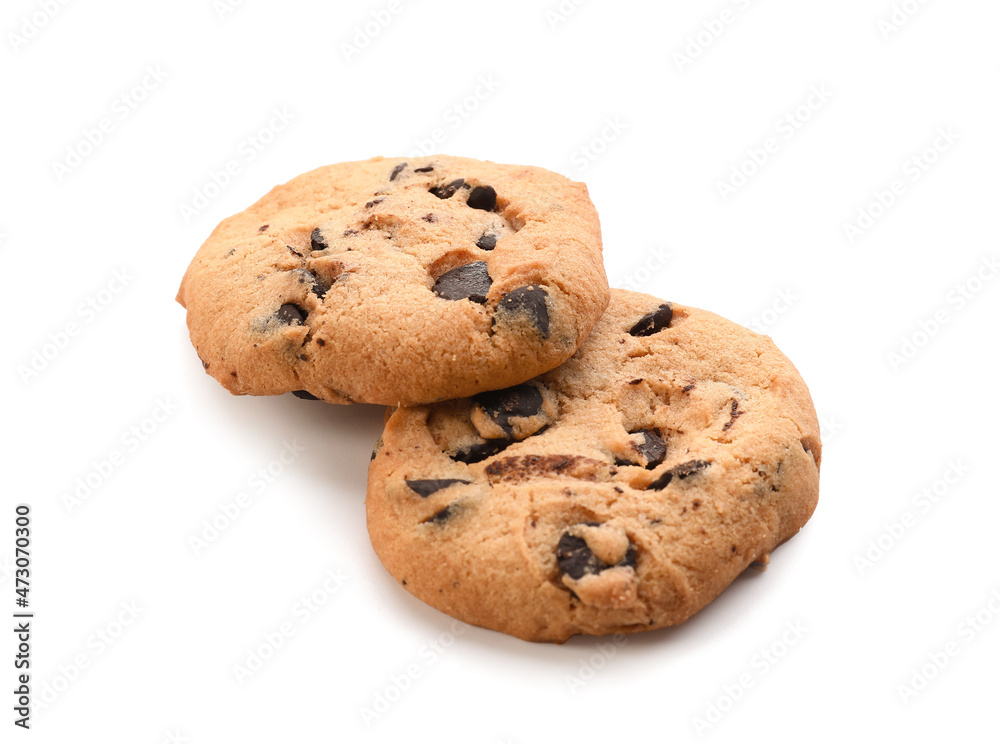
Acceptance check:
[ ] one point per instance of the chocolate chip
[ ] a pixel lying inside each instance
(484, 198)
(469, 282)
(304, 394)
(521, 401)
(424, 488)
(487, 242)
(447, 191)
(734, 413)
(680, 472)
(531, 301)
(441, 516)
(396, 171)
(425, 169)
(291, 314)
(653, 448)
(479, 452)
(317, 286)
(576, 559)
(654, 322)
(318, 241)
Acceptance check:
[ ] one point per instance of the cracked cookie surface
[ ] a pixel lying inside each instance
(621, 492)
(398, 282)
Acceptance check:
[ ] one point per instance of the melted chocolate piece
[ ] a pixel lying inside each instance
(653, 322)
(291, 314)
(520, 401)
(318, 241)
(448, 190)
(424, 488)
(469, 282)
(484, 198)
(682, 471)
(396, 171)
(529, 301)
(479, 452)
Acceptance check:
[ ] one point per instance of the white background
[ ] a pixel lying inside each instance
(601, 93)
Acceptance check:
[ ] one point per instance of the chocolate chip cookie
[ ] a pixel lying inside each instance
(621, 492)
(398, 282)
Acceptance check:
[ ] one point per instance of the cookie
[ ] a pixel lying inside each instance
(398, 282)
(621, 492)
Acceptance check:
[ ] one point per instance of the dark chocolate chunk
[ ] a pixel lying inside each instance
(469, 282)
(503, 405)
(447, 191)
(575, 558)
(425, 169)
(653, 322)
(424, 488)
(680, 472)
(317, 286)
(483, 197)
(396, 171)
(304, 394)
(734, 413)
(530, 300)
(441, 516)
(487, 242)
(479, 452)
(291, 314)
(318, 241)
(653, 448)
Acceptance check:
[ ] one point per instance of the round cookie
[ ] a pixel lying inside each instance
(621, 492)
(398, 282)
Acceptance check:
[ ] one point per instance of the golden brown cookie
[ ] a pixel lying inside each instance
(398, 282)
(621, 492)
